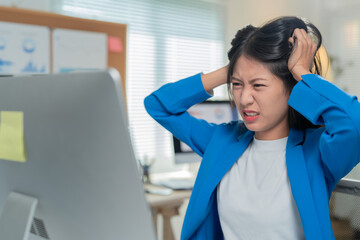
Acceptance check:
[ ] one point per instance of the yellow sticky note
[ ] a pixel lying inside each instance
(12, 136)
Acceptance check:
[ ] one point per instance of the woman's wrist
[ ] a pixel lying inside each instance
(297, 73)
(214, 79)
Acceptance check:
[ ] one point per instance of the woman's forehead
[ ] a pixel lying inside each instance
(247, 69)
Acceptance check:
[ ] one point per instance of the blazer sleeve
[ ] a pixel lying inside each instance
(323, 103)
(168, 106)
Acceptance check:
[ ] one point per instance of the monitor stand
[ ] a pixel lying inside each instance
(17, 216)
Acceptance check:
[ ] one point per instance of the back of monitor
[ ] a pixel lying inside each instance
(80, 162)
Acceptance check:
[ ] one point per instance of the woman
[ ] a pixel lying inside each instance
(271, 175)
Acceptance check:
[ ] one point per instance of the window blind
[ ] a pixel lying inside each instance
(167, 40)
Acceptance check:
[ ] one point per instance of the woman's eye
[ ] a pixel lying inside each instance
(258, 85)
(235, 84)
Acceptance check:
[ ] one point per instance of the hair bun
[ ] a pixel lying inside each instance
(243, 34)
(240, 37)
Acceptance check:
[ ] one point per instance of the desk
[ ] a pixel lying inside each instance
(167, 206)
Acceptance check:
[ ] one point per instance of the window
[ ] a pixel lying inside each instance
(167, 40)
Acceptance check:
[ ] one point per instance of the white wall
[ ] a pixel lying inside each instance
(243, 12)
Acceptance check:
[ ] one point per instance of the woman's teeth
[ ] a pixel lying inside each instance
(251, 114)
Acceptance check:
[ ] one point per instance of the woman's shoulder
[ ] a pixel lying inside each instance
(233, 128)
(236, 124)
(227, 134)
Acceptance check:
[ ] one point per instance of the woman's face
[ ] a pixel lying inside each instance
(261, 99)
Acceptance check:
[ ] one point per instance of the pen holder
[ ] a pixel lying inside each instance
(146, 174)
(145, 168)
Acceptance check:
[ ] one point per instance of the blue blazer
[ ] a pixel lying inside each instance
(316, 159)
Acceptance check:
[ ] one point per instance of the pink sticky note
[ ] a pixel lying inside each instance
(114, 44)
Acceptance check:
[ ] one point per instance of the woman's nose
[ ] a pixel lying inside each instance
(246, 98)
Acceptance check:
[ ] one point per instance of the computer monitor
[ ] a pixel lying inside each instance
(80, 179)
(211, 111)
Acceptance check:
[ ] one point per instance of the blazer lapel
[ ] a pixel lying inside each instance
(230, 156)
(300, 185)
(207, 180)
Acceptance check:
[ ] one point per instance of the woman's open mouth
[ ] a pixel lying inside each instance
(250, 116)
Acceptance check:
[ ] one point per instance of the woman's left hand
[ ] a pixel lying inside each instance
(302, 56)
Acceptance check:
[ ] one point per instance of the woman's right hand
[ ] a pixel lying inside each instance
(214, 79)
(303, 53)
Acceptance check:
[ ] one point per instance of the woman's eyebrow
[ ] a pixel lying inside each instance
(251, 81)
(257, 79)
(236, 79)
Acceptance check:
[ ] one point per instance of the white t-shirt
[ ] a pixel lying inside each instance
(254, 197)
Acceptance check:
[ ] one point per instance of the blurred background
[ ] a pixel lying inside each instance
(169, 39)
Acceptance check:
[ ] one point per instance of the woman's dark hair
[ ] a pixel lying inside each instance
(269, 45)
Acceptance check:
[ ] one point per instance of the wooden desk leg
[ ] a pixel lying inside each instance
(154, 213)
(167, 213)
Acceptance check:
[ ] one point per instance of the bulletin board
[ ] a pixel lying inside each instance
(116, 58)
